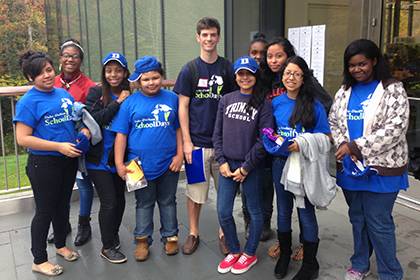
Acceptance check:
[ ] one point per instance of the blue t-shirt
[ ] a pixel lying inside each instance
(150, 123)
(361, 94)
(214, 80)
(108, 138)
(282, 110)
(50, 116)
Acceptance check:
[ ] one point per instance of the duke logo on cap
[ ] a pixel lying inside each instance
(114, 56)
(144, 64)
(247, 63)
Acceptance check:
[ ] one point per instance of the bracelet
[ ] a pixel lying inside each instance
(240, 171)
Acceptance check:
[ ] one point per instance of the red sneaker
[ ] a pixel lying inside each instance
(226, 264)
(243, 264)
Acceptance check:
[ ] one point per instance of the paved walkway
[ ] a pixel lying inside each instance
(334, 252)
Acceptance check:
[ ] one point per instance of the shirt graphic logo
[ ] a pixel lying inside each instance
(359, 114)
(238, 111)
(165, 109)
(160, 118)
(65, 104)
(65, 116)
(212, 89)
(289, 132)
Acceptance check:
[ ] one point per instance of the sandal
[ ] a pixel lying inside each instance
(70, 257)
(298, 253)
(54, 271)
(274, 250)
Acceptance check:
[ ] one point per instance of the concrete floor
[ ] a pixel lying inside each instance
(334, 252)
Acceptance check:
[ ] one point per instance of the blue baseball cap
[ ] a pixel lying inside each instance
(144, 64)
(245, 62)
(114, 56)
(356, 169)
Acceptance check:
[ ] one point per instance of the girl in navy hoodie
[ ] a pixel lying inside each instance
(241, 116)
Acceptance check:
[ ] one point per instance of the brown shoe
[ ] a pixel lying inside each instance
(171, 245)
(190, 244)
(222, 246)
(142, 249)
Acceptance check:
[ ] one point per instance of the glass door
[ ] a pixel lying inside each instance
(345, 20)
(401, 45)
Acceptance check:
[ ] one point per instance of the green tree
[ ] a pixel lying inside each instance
(22, 25)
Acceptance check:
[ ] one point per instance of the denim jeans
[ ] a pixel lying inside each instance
(373, 227)
(110, 188)
(86, 195)
(266, 196)
(161, 190)
(307, 219)
(225, 198)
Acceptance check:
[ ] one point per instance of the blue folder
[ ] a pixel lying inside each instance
(195, 171)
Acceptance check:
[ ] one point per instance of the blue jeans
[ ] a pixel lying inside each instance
(266, 196)
(225, 198)
(85, 195)
(161, 190)
(373, 228)
(307, 219)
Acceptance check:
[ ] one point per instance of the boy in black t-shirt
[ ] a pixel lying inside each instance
(200, 84)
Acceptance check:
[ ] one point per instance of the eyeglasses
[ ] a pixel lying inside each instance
(68, 56)
(296, 75)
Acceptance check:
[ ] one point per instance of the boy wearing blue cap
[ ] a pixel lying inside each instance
(103, 102)
(238, 149)
(200, 84)
(147, 127)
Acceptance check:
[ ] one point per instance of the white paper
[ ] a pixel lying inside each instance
(309, 42)
(318, 52)
(305, 42)
(293, 36)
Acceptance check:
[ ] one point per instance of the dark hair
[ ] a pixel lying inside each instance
(303, 111)
(207, 23)
(371, 51)
(268, 77)
(106, 87)
(258, 38)
(76, 44)
(258, 93)
(32, 64)
(287, 46)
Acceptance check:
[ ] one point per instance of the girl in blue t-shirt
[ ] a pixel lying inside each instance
(369, 121)
(147, 127)
(296, 112)
(103, 102)
(44, 125)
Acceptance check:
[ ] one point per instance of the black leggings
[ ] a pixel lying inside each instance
(110, 188)
(52, 179)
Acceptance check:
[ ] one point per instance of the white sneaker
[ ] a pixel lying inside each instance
(352, 274)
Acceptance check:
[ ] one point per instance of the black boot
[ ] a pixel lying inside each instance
(310, 266)
(266, 233)
(84, 232)
(285, 240)
(50, 238)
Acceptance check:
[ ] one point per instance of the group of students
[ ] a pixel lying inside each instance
(225, 110)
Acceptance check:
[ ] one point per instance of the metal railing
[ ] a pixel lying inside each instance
(10, 94)
(11, 161)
